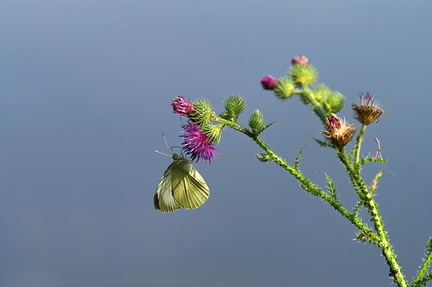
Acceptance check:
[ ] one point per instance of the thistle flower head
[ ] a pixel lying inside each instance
(197, 143)
(268, 82)
(285, 88)
(338, 132)
(202, 112)
(234, 105)
(256, 122)
(300, 60)
(181, 106)
(334, 102)
(213, 132)
(303, 75)
(367, 111)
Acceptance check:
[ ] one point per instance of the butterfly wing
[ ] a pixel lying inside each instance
(163, 198)
(188, 187)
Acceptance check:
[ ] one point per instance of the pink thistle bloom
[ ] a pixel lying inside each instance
(269, 83)
(182, 107)
(300, 60)
(197, 144)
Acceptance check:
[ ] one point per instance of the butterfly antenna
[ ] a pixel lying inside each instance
(156, 151)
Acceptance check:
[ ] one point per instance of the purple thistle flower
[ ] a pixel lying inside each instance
(269, 82)
(182, 107)
(197, 144)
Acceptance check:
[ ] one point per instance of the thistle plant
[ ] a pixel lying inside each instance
(204, 128)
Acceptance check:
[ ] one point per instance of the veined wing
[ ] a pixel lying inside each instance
(163, 198)
(188, 187)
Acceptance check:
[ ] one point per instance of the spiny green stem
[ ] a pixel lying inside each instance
(372, 206)
(315, 106)
(421, 277)
(380, 237)
(307, 185)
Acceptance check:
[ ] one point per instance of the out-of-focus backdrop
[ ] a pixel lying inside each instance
(85, 92)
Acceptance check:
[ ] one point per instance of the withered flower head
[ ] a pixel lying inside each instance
(338, 133)
(367, 111)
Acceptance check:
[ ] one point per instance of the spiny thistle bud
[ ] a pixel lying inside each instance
(213, 132)
(256, 122)
(319, 93)
(334, 103)
(285, 88)
(303, 75)
(300, 60)
(202, 112)
(234, 105)
(338, 133)
(181, 106)
(269, 82)
(367, 111)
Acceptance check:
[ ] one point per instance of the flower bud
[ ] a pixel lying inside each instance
(285, 88)
(202, 112)
(234, 105)
(319, 94)
(303, 75)
(256, 122)
(213, 132)
(269, 82)
(181, 106)
(334, 103)
(300, 60)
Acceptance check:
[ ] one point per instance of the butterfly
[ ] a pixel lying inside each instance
(181, 186)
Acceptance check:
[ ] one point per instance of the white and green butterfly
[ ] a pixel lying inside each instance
(181, 186)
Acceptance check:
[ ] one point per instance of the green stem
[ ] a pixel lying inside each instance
(381, 235)
(422, 275)
(372, 206)
(306, 184)
(306, 92)
(359, 143)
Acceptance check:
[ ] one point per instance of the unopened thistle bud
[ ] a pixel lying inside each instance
(234, 105)
(269, 82)
(181, 106)
(319, 94)
(213, 132)
(303, 75)
(334, 103)
(202, 112)
(300, 60)
(256, 122)
(338, 133)
(367, 111)
(285, 88)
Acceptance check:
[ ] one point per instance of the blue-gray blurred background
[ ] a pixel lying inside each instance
(85, 91)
